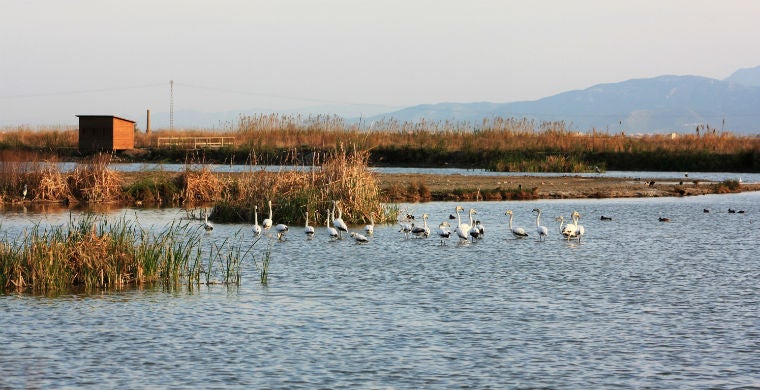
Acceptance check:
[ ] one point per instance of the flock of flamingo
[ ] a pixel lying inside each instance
(465, 231)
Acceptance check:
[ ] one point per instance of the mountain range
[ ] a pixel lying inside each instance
(661, 104)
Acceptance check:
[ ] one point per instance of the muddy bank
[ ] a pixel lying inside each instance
(461, 187)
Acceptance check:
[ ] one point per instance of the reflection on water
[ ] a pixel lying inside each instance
(638, 303)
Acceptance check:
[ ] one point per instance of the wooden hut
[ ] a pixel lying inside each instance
(105, 133)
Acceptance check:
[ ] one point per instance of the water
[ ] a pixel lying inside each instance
(225, 168)
(638, 303)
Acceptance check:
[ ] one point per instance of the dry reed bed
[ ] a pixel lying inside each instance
(325, 132)
(90, 182)
(341, 176)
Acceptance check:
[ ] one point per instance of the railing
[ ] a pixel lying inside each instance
(195, 142)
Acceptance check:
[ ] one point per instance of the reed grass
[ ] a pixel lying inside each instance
(93, 182)
(339, 175)
(93, 253)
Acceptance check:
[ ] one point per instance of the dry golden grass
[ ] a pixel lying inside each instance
(340, 176)
(93, 182)
(201, 185)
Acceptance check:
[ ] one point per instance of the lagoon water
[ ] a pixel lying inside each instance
(225, 168)
(638, 303)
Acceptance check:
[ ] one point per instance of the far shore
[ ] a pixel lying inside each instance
(446, 187)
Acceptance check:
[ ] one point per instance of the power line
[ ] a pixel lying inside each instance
(79, 92)
(227, 90)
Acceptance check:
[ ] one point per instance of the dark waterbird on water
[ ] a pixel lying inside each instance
(603, 218)
(663, 219)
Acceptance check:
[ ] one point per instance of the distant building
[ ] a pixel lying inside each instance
(105, 133)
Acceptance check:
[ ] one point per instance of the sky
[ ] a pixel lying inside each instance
(59, 59)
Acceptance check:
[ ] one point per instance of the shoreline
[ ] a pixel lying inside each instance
(417, 187)
(526, 187)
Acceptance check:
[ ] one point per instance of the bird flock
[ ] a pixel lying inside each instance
(468, 227)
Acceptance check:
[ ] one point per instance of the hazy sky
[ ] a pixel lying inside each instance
(62, 58)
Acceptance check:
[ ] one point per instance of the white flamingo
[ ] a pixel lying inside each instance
(308, 230)
(474, 230)
(370, 228)
(541, 230)
(281, 229)
(331, 231)
(404, 224)
(422, 232)
(579, 229)
(338, 222)
(359, 238)
(267, 222)
(256, 226)
(518, 232)
(206, 224)
(462, 229)
(481, 229)
(567, 231)
(443, 231)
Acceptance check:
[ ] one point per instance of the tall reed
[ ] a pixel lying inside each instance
(339, 175)
(93, 253)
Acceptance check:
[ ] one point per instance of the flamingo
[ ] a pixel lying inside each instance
(474, 230)
(256, 226)
(462, 229)
(517, 232)
(206, 224)
(444, 231)
(281, 229)
(338, 222)
(481, 229)
(422, 231)
(267, 223)
(579, 230)
(370, 229)
(359, 238)
(406, 226)
(308, 230)
(331, 230)
(541, 230)
(567, 231)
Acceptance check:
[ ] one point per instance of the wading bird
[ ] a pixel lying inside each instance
(359, 238)
(462, 230)
(474, 230)
(541, 230)
(308, 230)
(256, 226)
(579, 229)
(424, 231)
(443, 231)
(338, 222)
(370, 229)
(518, 232)
(405, 225)
(567, 231)
(267, 223)
(331, 231)
(206, 224)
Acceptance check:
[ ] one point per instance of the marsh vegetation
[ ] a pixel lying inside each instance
(499, 144)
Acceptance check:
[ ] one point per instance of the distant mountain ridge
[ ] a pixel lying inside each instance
(654, 105)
